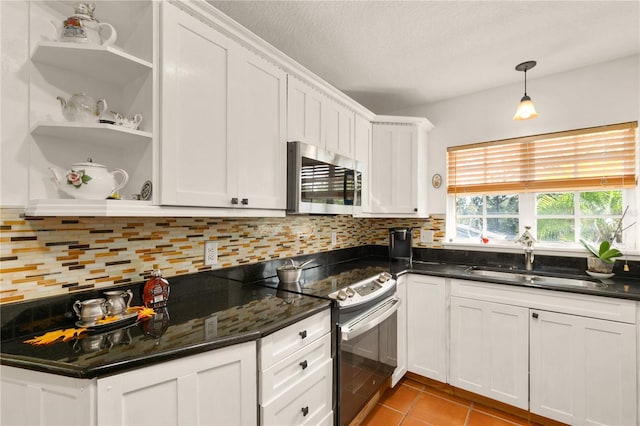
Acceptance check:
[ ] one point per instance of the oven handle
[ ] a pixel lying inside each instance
(369, 319)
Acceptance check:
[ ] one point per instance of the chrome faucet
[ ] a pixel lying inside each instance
(527, 240)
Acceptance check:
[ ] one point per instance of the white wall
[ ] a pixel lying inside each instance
(600, 94)
(14, 109)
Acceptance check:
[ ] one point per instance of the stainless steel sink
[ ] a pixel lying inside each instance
(523, 278)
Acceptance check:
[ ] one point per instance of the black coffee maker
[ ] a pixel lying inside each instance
(400, 243)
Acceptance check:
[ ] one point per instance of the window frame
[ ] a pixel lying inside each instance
(528, 216)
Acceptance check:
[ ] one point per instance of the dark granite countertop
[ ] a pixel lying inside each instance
(618, 287)
(204, 313)
(218, 308)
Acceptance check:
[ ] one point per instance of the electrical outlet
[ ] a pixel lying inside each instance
(426, 236)
(334, 239)
(211, 327)
(210, 253)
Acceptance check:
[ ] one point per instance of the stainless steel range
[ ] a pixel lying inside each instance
(366, 340)
(365, 305)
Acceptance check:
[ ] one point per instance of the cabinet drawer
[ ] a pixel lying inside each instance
(607, 308)
(304, 404)
(283, 343)
(295, 368)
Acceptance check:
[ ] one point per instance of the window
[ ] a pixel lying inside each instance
(566, 186)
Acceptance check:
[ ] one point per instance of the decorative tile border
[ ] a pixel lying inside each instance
(46, 256)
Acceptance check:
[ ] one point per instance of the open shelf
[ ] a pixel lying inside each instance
(124, 208)
(81, 132)
(106, 63)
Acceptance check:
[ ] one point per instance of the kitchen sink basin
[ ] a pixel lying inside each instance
(524, 278)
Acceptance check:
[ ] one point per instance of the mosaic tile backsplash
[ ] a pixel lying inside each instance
(47, 256)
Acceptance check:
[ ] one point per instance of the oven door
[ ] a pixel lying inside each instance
(367, 356)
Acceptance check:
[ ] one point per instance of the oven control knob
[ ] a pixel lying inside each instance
(350, 292)
(342, 295)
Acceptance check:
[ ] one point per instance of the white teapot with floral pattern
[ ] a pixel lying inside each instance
(90, 181)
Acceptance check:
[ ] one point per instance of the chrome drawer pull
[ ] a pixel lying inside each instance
(304, 364)
(305, 410)
(303, 334)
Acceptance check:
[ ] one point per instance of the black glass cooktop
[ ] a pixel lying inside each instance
(321, 281)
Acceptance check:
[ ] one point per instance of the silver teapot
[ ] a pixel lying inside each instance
(82, 27)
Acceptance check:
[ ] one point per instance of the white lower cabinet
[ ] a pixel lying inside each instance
(583, 369)
(34, 398)
(402, 360)
(427, 325)
(489, 350)
(565, 356)
(212, 388)
(296, 374)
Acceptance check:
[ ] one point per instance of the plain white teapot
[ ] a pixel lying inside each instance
(82, 27)
(90, 181)
(83, 108)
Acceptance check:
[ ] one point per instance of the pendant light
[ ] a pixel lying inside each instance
(525, 110)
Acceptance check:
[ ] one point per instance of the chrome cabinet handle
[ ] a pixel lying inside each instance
(534, 314)
(234, 200)
(304, 364)
(244, 201)
(303, 334)
(305, 410)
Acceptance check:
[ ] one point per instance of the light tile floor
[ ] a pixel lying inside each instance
(413, 404)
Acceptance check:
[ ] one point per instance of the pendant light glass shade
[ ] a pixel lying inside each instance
(526, 109)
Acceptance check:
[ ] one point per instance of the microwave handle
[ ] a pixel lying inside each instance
(350, 176)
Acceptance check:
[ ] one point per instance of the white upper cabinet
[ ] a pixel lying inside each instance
(339, 134)
(261, 150)
(318, 119)
(305, 117)
(397, 167)
(223, 120)
(362, 144)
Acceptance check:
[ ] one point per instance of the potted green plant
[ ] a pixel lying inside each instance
(604, 257)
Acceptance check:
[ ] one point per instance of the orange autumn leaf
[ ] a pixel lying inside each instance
(53, 336)
(107, 319)
(145, 313)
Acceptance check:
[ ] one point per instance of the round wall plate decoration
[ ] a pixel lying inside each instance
(436, 180)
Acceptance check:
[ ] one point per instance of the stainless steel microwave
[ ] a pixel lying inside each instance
(321, 181)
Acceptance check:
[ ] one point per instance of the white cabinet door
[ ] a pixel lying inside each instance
(305, 120)
(402, 357)
(34, 398)
(362, 142)
(223, 120)
(339, 133)
(490, 350)
(198, 64)
(393, 169)
(261, 149)
(583, 370)
(427, 326)
(213, 388)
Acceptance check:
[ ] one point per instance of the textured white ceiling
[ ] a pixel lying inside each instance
(390, 55)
